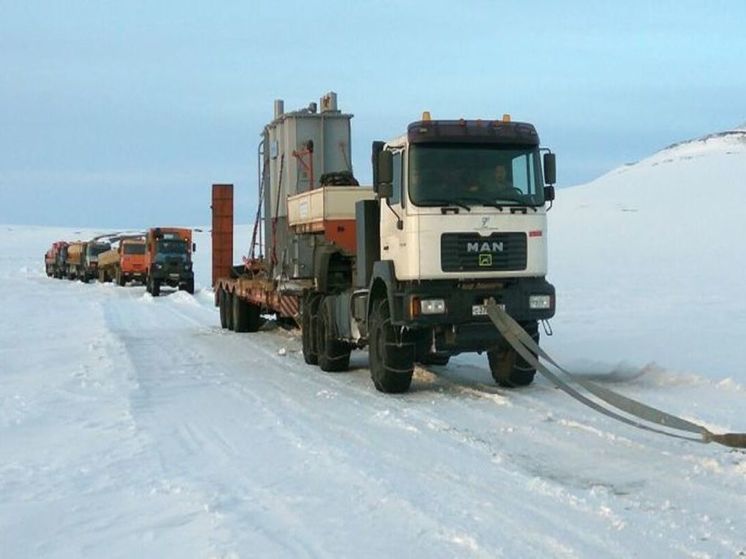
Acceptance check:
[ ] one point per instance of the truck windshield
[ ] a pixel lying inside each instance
(98, 248)
(131, 248)
(172, 247)
(475, 174)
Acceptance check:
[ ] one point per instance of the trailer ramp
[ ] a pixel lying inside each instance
(601, 399)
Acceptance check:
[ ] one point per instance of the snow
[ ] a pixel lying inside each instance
(135, 427)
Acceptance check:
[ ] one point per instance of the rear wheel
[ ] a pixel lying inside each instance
(333, 354)
(310, 309)
(508, 368)
(391, 365)
(240, 312)
(229, 317)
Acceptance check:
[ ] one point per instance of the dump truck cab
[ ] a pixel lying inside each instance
(90, 259)
(168, 259)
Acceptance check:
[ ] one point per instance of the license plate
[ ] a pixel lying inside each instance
(481, 310)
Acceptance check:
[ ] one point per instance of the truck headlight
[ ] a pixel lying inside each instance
(432, 306)
(540, 302)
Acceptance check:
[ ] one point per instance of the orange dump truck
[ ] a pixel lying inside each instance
(123, 263)
(168, 259)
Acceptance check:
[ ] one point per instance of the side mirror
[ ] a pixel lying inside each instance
(550, 168)
(194, 247)
(548, 193)
(384, 174)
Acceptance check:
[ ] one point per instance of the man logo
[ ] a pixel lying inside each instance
(485, 259)
(484, 247)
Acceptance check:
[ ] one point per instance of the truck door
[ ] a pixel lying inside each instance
(393, 242)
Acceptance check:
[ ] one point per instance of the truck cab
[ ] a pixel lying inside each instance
(168, 259)
(460, 219)
(90, 259)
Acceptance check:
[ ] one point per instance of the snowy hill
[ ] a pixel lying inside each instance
(136, 427)
(648, 260)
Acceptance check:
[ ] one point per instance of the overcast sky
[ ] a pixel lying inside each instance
(121, 114)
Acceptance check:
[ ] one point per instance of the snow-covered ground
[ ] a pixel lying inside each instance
(136, 427)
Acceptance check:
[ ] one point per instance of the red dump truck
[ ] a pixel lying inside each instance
(168, 259)
(456, 217)
(123, 263)
(54, 259)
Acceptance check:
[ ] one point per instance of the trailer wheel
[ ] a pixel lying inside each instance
(229, 318)
(241, 314)
(333, 354)
(508, 368)
(222, 303)
(391, 364)
(310, 310)
(255, 317)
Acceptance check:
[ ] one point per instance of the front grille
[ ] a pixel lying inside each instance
(462, 252)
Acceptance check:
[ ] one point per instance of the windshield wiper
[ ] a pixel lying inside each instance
(483, 201)
(444, 202)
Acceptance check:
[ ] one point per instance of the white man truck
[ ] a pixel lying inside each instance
(456, 216)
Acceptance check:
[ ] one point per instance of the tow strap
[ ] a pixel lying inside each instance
(674, 426)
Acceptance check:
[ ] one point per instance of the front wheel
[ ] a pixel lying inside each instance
(508, 368)
(189, 286)
(391, 363)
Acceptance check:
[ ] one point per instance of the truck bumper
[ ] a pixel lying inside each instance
(464, 326)
(173, 279)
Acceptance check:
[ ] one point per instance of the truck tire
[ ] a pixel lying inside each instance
(508, 368)
(189, 286)
(222, 303)
(255, 317)
(119, 277)
(155, 287)
(228, 310)
(333, 354)
(310, 310)
(240, 311)
(390, 371)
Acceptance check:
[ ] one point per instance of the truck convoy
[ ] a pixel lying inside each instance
(123, 263)
(168, 259)
(456, 216)
(160, 256)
